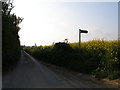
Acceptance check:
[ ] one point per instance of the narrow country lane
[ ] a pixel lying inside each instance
(30, 73)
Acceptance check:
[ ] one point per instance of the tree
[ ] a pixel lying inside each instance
(10, 38)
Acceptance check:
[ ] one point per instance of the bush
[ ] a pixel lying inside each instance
(97, 57)
(10, 38)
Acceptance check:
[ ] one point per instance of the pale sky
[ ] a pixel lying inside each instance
(48, 22)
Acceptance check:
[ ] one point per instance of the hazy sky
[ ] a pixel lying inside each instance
(48, 22)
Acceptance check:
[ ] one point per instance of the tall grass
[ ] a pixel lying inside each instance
(97, 57)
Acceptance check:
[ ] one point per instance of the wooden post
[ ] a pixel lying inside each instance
(79, 37)
(81, 31)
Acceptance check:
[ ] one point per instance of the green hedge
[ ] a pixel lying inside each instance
(97, 57)
(10, 38)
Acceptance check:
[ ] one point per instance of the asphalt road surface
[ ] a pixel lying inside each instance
(30, 73)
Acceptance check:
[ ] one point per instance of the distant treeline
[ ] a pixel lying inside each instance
(10, 38)
(97, 57)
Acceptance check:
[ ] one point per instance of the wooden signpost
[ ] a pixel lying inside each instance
(81, 31)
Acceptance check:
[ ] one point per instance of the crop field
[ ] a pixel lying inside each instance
(96, 57)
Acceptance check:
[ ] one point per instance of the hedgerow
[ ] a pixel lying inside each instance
(97, 57)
